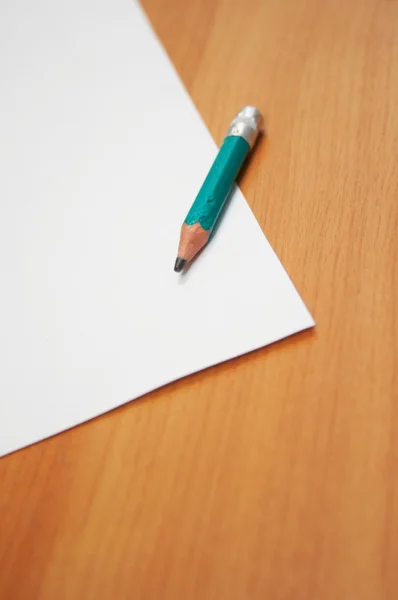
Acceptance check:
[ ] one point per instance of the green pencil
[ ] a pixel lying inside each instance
(204, 212)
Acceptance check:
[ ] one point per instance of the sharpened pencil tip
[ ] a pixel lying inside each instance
(179, 264)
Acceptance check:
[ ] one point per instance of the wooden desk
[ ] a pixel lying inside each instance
(274, 476)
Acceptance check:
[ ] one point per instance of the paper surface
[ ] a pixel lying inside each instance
(101, 154)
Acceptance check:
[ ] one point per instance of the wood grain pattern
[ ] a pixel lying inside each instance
(274, 476)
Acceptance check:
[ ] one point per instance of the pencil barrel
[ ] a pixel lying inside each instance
(217, 185)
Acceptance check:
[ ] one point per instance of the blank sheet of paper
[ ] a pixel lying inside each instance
(101, 154)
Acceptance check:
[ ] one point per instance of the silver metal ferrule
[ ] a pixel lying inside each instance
(247, 124)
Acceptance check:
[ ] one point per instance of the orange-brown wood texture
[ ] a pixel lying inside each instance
(274, 476)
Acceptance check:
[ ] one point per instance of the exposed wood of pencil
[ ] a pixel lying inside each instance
(192, 239)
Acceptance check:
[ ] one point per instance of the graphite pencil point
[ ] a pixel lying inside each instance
(179, 264)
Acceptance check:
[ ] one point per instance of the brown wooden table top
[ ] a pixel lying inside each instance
(273, 476)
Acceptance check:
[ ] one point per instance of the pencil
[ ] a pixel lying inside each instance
(204, 212)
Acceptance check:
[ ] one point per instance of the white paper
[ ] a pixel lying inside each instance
(101, 154)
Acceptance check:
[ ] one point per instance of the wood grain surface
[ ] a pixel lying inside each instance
(273, 476)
